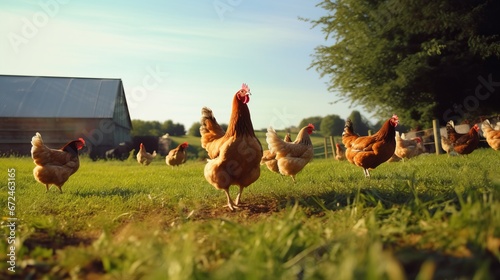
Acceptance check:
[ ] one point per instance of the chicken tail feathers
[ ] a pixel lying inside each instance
(273, 141)
(209, 129)
(37, 141)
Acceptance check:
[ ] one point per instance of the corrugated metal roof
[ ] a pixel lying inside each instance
(57, 97)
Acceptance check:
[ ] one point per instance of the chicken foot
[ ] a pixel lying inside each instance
(230, 204)
(47, 187)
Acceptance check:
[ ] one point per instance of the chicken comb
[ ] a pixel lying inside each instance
(245, 87)
(311, 125)
(80, 143)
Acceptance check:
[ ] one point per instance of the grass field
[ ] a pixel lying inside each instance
(432, 217)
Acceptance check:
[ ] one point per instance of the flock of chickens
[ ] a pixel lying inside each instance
(457, 143)
(235, 155)
(174, 157)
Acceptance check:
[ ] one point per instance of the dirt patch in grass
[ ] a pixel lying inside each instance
(258, 209)
(59, 241)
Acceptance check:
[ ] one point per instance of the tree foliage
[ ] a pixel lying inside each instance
(420, 59)
(332, 125)
(155, 128)
(194, 130)
(316, 121)
(361, 125)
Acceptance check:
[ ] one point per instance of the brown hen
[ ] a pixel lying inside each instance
(368, 152)
(234, 154)
(55, 166)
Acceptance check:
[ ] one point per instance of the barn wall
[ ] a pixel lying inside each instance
(100, 134)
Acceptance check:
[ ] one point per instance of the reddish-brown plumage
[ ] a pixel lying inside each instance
(369, 152)
(348, 135)
(451, 133)
(468, 142)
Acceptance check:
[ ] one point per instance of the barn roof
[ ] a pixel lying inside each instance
(59, 97)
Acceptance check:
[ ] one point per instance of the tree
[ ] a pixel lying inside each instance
(174, 129)
(146, 128)
(194, 130)
(316, 121)
(155, 128)
(420, 59)
(360, 124)
(332, 125)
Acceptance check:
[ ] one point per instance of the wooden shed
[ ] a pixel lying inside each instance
(62, 109)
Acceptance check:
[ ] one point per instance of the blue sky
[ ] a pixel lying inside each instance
(174, 57)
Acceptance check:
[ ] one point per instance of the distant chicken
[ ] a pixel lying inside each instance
(339, 152)
(269, 159)
(407, 148)
(291, 156)
(368, 152)
(177, 156)
(420, 145)
(55, 166)
(144, 157)
(447, 146)
(467, 143)
(492, 136)
(234, 154)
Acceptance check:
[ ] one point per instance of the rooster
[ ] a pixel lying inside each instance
(339, 152)
(407, 148)
(234, 154)
(468, 142)
(269, 159)
(177, 156)
(291, 157)
(55, 166)
(144, 157)
(368, 152)
(492, 136)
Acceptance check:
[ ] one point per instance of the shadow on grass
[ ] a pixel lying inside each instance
(116, 191)
(446, 266)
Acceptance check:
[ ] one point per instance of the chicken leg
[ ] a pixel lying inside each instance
(230, 204)
(237, 201)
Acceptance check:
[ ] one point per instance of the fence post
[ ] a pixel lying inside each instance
(326, 147)
(332, 143)
(437, 136)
